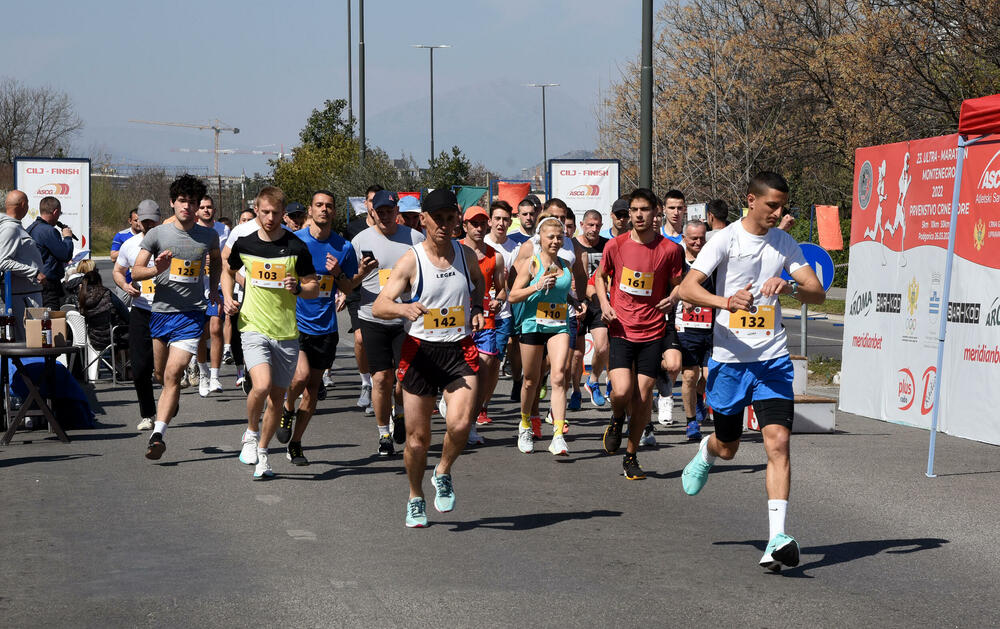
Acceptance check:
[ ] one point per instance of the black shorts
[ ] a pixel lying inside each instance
(353, 302)
(728, 428)
(592, 320)
(320, 349)
(383, 344)
(426, 368)
(696, 348)
(640, 357)
(537, 338)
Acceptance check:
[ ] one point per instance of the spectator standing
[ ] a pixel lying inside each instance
(56, 246)
(20, 257)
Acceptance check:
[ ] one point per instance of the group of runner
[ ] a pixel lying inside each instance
(433, 317)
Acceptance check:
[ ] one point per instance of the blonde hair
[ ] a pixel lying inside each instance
(85, 266)
(273, 194)
(546, 215)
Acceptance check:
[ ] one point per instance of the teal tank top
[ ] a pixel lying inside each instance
(546, 312)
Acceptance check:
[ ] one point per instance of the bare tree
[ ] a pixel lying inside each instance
(34, 121)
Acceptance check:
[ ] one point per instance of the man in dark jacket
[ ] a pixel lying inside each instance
(56, 250)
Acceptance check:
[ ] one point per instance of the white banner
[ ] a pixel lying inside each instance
(585, 185)
(65, 179)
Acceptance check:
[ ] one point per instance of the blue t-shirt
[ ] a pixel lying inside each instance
(518, 237)
(675, 239)
(120, 238)
(319, 316)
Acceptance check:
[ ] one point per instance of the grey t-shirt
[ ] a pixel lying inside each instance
(181, 288)
(388, 251)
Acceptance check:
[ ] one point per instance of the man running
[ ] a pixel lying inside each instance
(140, 343)
(211, 341)
(674, 214)
(439, 354)
(592, 245)
(501, 215)
(527, 210)
(133, 229)
(643, 267)
(279, 268)
(619, 219)
(750, 363)
(384, 242)
(337, 267)
(361, 222)
(694, 332)
(178, 252)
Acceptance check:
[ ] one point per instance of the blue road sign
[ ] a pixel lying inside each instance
(819, 260)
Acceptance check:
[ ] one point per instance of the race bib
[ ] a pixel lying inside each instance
(550, 314)
(147, 288)
(450, 319)
(185, 271)
(383, 276)
(698, 318)
(636, 282)
(325, 286)
(753, 323)
(267, 274)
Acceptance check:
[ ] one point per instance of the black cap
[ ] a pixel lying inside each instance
(532, 199)
(294, 208)
(440, 199)
(621, 205)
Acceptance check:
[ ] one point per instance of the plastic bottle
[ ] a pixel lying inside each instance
(6, 323)
(9, 326)
(47, 328)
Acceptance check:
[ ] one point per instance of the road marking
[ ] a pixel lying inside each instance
(308, 536)
(269, 499)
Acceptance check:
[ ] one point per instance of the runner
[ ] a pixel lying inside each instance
(694, 332)
(674, 214)
(385, 242)
(279, 269)
(491, 266)
(750, 363)
(592, 245)
(409, 212)
(140, 343)
(717, 217)
(439, 354)
(352, 301)
(542, 283)
(178, 253)
(643, 267)
(317, 319)
(527, 211)
(619, 219)
(501, 215)
(134, 229)
(211, 339)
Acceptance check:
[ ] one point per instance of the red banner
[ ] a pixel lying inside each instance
(828, 226)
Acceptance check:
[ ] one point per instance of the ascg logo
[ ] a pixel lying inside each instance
(990, 178)
(905, 388)
(586, 190)
(861, 305)
(993, 316)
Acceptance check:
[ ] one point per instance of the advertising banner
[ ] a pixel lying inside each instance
(586, 184)
(899, 239)
(65, 179)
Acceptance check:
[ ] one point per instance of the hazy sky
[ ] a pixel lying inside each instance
(264, 68)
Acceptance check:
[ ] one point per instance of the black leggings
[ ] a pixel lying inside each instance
(140, 346)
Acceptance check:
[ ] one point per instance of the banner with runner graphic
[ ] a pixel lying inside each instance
(899, 238)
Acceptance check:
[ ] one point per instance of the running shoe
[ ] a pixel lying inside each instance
(263, 470)
(295, 455)
(701, 411)
(613, 436)
(543, 391)
(365, 399)
(695, 473)
(575, 401)
(227, 357)
(245, 383)
(665, 410)
(193, 371)
(558, 445)
(782, 550)
(183, 384)
(145, 424)
(204, 386)
(285, 425)
(536, 427)
(443, 407)
(515, 391)
(416, 513)
(693, 431)
(524, 441)
(248, 453)
(483, 418)
(444, 493)
(550, 419)
(398, 429)
(214, 386)
(156, 447)
(328, 378)
(608, 389)
(596, 397)
(648, 438)
(475, 439)
(321, 392)
(385, 447)
(630, 465)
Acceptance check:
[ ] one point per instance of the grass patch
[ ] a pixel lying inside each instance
(823, 370)
(830, 306)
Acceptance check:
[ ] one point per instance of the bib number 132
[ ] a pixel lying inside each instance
(757, 321)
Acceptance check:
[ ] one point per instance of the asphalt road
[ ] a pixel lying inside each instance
(97, 536)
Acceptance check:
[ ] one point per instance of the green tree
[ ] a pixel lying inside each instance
(449, 170)
(327, 127)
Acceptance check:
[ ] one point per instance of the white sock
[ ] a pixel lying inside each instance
(776, 516)
(703, 451)
(383, 431)
(160, 427)
(214, 371)
(366, 380)
(227, 348)
(203, 368)
(254, 434)
(261, 450)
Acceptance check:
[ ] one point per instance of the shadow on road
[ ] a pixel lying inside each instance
(529, 521)
(54, 458)
(844, 552)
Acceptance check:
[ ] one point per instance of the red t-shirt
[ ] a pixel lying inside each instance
(640, 277)
(488, 266)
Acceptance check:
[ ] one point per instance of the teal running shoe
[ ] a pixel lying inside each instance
(416, 513)
(782, 550)
(444, 493)
(695, 474)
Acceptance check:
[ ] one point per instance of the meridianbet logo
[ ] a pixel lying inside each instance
(888, 302)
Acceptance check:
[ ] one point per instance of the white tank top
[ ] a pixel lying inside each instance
(446, 293)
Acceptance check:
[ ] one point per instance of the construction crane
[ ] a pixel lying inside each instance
(217, 127)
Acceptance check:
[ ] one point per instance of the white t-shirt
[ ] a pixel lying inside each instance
(740, 258)
(126, 259)
(241, 230)
(507, 252)
(222, 230)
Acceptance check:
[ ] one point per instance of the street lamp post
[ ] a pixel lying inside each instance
(431, 48)
(545, 146)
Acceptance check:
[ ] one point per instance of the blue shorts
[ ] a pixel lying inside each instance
(504, 329)
(172, 327)
(486, 342)
(733, 386)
